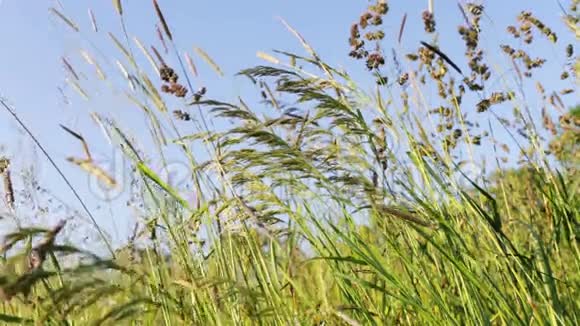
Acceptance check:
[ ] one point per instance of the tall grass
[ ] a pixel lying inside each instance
(335, 205)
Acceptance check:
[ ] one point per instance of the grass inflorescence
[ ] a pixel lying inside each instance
(323, 202)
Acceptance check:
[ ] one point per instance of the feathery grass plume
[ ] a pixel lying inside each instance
(428, 21)
(402, 28)
(93, 21)
(67, 21)
(209, 61)
(118, 7)
(190, 64)
(308, 48)
(162, 20)
(319, 247)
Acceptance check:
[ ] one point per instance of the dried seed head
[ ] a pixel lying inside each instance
(354, 32)
(513, 31)
(382, 80)
(376, 20)
(375, 60)
(167, 74)
(483, 105)
(364, 19)
(475, 10)
(428, 21)
(8, 188)
(375, 36)
(569, 50)
(380, 8)
(403, 79)
(179, 90)
(4, 164)
(181, 115)
(199, 94)
(470, 36)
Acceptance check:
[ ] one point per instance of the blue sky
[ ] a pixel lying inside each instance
(230, 31)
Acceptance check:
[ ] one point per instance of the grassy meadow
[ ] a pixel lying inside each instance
(321, 199)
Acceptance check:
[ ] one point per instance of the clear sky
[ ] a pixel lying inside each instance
(33, 42)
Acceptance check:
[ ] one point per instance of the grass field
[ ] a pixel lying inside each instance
(320, 201)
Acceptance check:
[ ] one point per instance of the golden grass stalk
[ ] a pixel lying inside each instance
(94, 170)
(87, 164)
(147, 55)
(310, 49)
(89, 59)
(271, 96)
(118, 7)
(67, 21)
(154, 94)
(93, 21)
(209, 61)
(77, 87)
(70, 69)
(98, 120)
(122, 69)
(163, 21)
(123, 50)
(190, 64)
(267, 57)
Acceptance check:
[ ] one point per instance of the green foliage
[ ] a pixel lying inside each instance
(566, 145)
(332, 206)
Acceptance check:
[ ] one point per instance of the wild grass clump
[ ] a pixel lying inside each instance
(317, 201)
